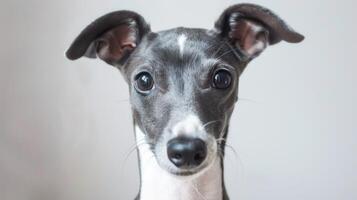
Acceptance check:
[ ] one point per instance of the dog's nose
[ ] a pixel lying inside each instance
(186, 152)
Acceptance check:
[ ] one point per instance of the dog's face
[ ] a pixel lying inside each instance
(183, 82)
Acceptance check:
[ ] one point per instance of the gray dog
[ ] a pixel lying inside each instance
(183, 87)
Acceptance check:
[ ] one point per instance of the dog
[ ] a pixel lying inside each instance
(183, 85)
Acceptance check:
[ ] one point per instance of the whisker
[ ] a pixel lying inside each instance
(221, 134)
(197, 191)
(226, 52)
(136, 147)
(233, 150)
(219, 48)
(210, 122)
(133, 148)
(219, 141)
(246, 99)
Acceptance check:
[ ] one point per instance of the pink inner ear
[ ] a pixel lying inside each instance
(112, 46)
(251, 37)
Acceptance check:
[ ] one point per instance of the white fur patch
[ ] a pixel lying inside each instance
(259, 45)
(254, 27)
(181, 43)
(188, 127)
(158, 184)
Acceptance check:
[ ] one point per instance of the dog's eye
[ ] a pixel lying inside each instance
(144, 82)
(221, 79)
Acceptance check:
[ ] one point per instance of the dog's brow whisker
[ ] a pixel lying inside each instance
(218, 49)
(226, 52)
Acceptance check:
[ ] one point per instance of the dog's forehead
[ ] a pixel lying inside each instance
(185, 36)
(182, 49)
(183, 43)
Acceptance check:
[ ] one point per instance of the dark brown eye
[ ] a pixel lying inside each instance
(144, 82)
(222, 79)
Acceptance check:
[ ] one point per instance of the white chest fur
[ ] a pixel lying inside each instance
(157, 184)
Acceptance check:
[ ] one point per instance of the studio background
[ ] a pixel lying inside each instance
(66, 127)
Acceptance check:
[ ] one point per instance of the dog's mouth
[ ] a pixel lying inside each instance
(185, 172)
(195, 172)
(188, 171)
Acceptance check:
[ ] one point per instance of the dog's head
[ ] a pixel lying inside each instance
(183, 82)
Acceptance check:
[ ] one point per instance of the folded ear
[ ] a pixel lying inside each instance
(111, 37)
(251, 28)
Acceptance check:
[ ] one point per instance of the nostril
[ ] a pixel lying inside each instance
(177, 156)
(199, 156)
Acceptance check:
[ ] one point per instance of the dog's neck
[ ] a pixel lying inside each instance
(158, 184)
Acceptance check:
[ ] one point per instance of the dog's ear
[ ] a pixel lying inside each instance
(111, 37)
(251, 28)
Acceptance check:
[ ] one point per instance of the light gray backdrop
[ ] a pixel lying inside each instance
(65, 127)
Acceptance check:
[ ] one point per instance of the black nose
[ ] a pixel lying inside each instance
(186, 152)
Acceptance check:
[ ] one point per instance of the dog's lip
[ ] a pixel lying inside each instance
(187, 172)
